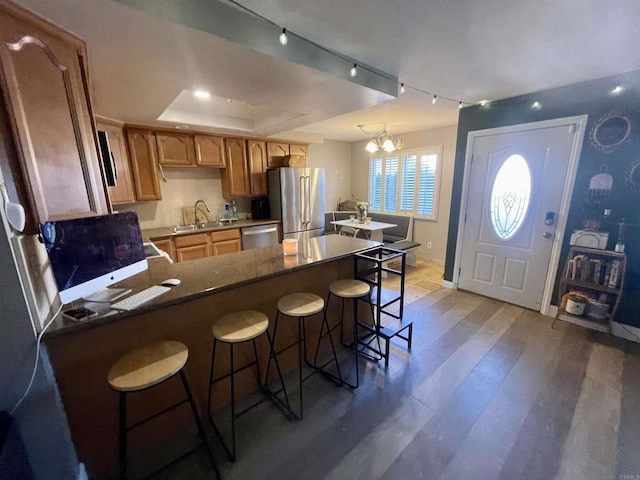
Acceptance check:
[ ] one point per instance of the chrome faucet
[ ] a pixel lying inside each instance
(195, 212)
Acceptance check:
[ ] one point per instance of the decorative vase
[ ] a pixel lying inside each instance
(362, 215)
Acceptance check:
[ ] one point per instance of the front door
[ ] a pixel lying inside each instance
(514, 196)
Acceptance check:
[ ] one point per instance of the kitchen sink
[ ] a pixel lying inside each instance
(183, 228)
(209, 225)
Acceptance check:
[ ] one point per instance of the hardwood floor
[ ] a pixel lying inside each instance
(489, 391)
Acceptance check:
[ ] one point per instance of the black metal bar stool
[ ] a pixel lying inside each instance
(232, 329)
(142, 369)
(347, 289)
(301, 306)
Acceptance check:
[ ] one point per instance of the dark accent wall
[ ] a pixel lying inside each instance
(593, 98)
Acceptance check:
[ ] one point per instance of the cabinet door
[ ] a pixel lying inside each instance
(209, 151)
(166, 245)
(227, 246)
(142, 152)
(123, 191)
(276, 153)
(195, 252)
(301, 150)
(235, 178)
(175, 150)
(44, 73)
(257, 152)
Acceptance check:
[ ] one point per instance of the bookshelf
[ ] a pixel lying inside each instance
(600, 275)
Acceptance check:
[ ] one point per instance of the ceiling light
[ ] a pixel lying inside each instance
(201, 94)
(536, 105)
(354, 70)
(383, 140)
(435, 99)
(459, 105)
(283, 38)
(617, 90)
(401, 88)
(484, 103)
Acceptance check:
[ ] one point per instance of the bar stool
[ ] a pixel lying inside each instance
(232, 329)
(301, 306)
(347, 289)
(142, 369)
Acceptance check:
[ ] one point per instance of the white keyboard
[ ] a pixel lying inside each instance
(134, 301)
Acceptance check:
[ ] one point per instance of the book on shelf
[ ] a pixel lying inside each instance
(614, 274)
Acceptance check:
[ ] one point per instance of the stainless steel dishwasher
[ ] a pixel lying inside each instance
(262, 236)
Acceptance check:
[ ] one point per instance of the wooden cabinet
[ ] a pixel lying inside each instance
(599, 274)
(300, 150)
(44, 81)
(166, 245)
(209, 151)
(175, 149)
(226, 241)
(123, 191)
(192, 247)
(142, 153)
(235, 178)
(257, 159)
(276, 153)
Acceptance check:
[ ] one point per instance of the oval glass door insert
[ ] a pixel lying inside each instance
(510, 197)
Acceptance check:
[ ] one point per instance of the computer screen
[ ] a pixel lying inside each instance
(89, 254)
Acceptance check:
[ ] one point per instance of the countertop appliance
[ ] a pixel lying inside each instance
(260, 236)
(296, 197)
(260, 209)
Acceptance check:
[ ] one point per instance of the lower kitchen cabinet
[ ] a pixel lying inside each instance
(183, 248)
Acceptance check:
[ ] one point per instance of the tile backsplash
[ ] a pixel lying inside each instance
(184, 186)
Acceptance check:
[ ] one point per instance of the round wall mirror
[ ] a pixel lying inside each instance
(632, 176)
(610, 131)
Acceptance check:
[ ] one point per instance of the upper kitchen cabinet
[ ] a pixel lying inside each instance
(299, 150)
(123, 190)
(257, 158)
(276, 152)
(142, 151)
(44, 82)
(235, 178)
(209, 151)
(175, 149)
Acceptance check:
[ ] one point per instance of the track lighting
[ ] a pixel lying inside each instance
(459, 105)
(435, 99)
(283, 38)
(354, 70)
(401, 88)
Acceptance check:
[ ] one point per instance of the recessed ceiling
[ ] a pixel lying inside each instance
(464, 50)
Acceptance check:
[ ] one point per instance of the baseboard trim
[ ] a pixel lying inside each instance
(625, 331)
(448, 284)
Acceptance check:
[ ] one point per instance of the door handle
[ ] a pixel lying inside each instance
(547, 234)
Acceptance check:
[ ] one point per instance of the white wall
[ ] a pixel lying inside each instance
(423, 230)
(335, 158)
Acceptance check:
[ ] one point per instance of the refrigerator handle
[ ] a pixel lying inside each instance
(308, 199)
(302, 199)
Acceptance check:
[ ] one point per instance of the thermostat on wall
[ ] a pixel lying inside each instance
(589, 239)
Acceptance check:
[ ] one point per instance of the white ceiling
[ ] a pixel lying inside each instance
(466, 50)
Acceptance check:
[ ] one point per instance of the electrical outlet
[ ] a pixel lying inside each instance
(429, 245)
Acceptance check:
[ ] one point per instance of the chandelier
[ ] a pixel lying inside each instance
(383, 141)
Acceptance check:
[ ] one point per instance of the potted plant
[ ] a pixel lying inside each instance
(363, 211)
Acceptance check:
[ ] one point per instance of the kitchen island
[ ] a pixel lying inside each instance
(82, 353)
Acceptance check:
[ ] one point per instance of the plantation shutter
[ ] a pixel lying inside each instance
(391, 184)
(427, 184)
(408, 189)
(375, 184)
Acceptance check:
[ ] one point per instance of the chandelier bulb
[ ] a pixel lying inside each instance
(354, 70)
(283, 38)
(401, 88)
(435, 99)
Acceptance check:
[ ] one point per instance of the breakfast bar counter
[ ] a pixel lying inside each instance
(82, 353)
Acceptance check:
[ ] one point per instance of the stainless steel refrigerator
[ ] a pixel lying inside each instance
(296, 197)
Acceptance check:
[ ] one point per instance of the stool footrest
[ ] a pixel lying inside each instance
(155, 415)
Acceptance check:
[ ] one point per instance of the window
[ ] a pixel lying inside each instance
(406, 182)
(510, 196)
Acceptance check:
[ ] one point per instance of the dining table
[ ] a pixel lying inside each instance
(373, 230)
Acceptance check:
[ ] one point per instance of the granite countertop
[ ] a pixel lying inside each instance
(165, 232)
(210, 275)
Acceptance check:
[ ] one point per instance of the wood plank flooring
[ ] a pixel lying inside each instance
(489, 391)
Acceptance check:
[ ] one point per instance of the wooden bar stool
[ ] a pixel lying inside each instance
(234, 328)
(346, 289)
(301, 306)
(142, 369)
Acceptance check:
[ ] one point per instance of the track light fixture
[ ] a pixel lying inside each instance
(354, 70)
(283, 38)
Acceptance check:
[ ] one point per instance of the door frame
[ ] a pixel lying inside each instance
(580, 121)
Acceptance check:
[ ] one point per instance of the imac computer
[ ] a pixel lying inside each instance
(89, 254)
